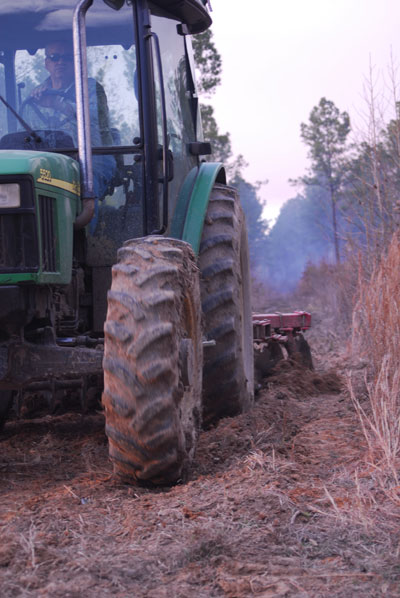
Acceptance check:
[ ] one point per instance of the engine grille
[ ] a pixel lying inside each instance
(47, 208)
(18, 246)
(19, 250)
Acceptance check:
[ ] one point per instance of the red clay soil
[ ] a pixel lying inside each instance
(273, 508)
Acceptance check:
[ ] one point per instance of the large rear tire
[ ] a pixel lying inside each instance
(153, 358)
(228, 375)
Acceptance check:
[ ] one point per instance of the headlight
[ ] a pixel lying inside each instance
(10, 195)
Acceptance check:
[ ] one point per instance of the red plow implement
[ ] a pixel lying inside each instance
(280, 336)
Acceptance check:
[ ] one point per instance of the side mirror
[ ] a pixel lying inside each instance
(115, 4)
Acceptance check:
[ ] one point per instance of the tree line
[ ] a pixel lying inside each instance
(209, 64)
(350, 199)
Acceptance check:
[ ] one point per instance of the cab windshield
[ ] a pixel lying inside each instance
(37, 76)
(38, 104)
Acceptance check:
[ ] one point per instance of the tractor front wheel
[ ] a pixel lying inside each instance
(153, 358)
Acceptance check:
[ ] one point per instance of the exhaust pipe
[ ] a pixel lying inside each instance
(83, 113)
(86, 214)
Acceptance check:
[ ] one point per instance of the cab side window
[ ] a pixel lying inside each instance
(180, 124)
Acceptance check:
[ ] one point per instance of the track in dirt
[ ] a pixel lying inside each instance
(258, 516)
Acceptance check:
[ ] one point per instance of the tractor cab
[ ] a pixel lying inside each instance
(120, 100)
(99, 129)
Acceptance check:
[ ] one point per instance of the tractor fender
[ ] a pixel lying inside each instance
(188, 219)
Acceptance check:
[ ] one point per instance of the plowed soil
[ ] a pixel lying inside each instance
(275, 506)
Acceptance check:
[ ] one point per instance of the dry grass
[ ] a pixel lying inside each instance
(376, 316)
(263, 295)
(376, 339)
(329, 290)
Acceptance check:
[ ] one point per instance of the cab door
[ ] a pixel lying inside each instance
(178, 123)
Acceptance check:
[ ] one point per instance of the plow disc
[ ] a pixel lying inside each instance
(280, 336)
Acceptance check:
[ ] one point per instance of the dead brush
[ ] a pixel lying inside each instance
(376, 337)
(263, 295)
(329, 290)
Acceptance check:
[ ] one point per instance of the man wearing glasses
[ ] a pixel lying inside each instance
(52, 105)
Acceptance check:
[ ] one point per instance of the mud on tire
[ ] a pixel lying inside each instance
(228, 375)
(153, 360)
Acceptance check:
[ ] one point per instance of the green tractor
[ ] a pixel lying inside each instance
(123, 252)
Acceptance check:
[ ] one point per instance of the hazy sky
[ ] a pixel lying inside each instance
(279, 58)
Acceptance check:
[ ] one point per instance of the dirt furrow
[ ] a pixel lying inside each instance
(265, 512)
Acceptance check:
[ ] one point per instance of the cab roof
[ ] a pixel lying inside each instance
(192, 13)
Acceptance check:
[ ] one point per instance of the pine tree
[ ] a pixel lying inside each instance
(326, 136)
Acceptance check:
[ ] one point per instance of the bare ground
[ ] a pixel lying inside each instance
(280, 503)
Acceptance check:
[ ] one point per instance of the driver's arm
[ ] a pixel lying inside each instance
(99, 114)
(38, 91)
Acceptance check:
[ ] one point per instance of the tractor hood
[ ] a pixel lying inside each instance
(192, 13)
(53, 171)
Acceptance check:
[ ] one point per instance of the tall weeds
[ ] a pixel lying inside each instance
(376, 337)
(372, 196)
(329, 290)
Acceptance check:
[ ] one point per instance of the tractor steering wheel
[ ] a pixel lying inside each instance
(62, 110)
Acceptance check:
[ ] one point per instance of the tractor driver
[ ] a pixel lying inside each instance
(53, 106)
